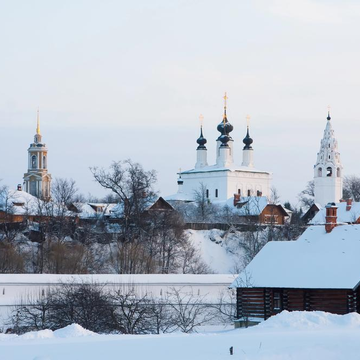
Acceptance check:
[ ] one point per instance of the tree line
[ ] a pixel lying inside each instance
(119, 311)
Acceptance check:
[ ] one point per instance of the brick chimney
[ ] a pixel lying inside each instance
(348, 204)
(331, 217)
(236, 199)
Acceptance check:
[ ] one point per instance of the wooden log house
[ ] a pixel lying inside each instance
(319, 271)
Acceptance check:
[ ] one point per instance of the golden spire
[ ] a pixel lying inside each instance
(201, 119)
(38, 123)
(225, 100)
(247, 121)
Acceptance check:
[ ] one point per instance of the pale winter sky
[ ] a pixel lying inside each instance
(128, 79)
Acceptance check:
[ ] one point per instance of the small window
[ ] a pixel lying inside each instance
(249, 193)
(338, 173)
(258, 193)
(161, 292)
(329, 172)
(277, 301)
(3, 291)
(319, 172)
(239, 192)
(207, 193)
(43, 292)
(216, 192)
(33, 161)
(198, 292)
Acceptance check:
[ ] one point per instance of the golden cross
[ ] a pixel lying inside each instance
(247, 120)
(329, 107)
(201, 118)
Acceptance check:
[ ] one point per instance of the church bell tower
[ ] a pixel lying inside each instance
(37, 180)
(328, 169)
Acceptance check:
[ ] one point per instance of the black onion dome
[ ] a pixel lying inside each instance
(224, 139)
(247, 141)
(201, 141)
(225, 125)
(328, 117)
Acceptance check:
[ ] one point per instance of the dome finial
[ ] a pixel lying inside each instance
(201, 140)
(329, 117)
(247, 139)
(225, 101)
(38, 123)
(247, 121)
(225, 128)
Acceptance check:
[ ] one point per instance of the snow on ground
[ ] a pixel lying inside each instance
(295, 336)
(221, 254)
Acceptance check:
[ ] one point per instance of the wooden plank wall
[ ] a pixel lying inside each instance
(258, 302)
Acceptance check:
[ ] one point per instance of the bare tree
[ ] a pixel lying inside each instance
(132, 185)
(351, 187)
(205, 209)
(132, 314)
(306, 196)
(63, 192)
(188, 310)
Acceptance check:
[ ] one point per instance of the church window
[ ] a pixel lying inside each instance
(239, 191)
(249, 193)
(329, 157)
(207, 193)
(44, 162)
(320, 172)
(338, 173)
(33, 161)
(216, 192)
(329, 171)
(258, 193)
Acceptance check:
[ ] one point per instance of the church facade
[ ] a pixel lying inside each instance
(225, 178)
(37, 180)
(328, 181)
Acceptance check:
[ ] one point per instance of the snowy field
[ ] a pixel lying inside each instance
(295, 336)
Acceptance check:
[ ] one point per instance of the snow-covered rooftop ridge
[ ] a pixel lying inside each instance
(316, 260)
(19, 202)
(87, 210)
(180, 196)
(175, 279)
(343, 215)
(233, 167)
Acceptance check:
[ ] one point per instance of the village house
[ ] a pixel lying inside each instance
(319, 271)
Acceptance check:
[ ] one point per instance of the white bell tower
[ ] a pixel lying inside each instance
(37, 180)
(328, 169)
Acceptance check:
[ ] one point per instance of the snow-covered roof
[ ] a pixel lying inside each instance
(180, 196)
(20, 203)
(90, 210)
(170, 279)
(250, 205)
(233, 167)
(316, 260)
(343, 216)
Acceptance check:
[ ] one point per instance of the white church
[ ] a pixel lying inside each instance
(224, 178)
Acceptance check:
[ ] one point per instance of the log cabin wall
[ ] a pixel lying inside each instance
(262, 303)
